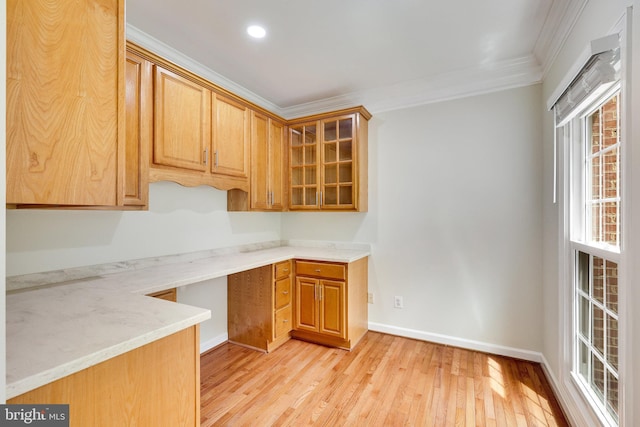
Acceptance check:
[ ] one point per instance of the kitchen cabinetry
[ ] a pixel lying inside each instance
(139, 129)
(267, 163)
(328, 161)
(231, 138)
(154, 385)
(259, 306)
(201, 133)
(331, 302)
(65, 103)
(182, 114)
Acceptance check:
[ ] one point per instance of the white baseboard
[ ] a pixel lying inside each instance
(567, 407)
(213, 342)
(501, 350)
(576, 410)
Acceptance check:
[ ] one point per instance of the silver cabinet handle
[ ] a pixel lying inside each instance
(285, 292)
(215, 159)
(206, 156)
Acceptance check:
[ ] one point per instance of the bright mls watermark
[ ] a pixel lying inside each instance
(34, 415)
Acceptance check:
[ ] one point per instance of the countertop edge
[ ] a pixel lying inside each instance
(30, 383)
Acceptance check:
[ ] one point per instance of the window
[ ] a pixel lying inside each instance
(594, 242)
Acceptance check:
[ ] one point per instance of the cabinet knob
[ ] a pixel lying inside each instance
(285, 292)
(285, 321)
(317, 270)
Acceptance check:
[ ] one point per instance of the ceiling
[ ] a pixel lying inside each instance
(328, 54)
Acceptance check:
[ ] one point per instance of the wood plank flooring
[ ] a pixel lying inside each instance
(385, 381)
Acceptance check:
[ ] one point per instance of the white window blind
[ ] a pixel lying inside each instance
(597, 71)
(597, 75)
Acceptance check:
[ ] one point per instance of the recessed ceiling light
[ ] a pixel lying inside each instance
(256, 31)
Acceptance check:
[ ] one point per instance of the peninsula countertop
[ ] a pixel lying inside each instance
(57, 329)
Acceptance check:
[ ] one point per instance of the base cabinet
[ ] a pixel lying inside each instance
(154, 385)
(259, 312)
(331, 302)
(320, 307)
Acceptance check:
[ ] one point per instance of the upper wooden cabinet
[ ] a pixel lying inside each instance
(182, 114)
(201, 137)
(328, 161)
(231, 138)
(65, 103)
(139, 125)
(267, 163)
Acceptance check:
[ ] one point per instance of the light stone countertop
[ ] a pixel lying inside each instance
(54, 330)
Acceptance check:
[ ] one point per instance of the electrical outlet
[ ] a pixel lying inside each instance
(370, 297)
(397, 302)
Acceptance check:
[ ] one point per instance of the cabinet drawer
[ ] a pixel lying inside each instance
(283, 292)
(283, 269)
(329, 271)
(283, 321)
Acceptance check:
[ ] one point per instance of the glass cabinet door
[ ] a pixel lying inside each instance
(337, 162)
(304, 165)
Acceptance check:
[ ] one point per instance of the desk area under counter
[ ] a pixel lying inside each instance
(57, 331)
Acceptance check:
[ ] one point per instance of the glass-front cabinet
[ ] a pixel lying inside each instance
(328, 162)
(305, 181)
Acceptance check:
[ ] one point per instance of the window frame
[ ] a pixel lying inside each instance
(577, 220)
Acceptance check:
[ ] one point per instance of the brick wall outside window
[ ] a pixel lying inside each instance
(604, 173)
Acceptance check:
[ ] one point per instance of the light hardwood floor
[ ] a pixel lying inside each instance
(385, 381)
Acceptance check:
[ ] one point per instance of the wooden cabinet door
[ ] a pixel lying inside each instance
(338, 163)
(65, 101)
(304, 171)
(306, 305)
(139, 125)
(328, 161)
(231, 137)
(260, 192)
(267, 163)
(332, 309)
(182, 116)
(276, 164)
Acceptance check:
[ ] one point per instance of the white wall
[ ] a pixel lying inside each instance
(179, 220)
(597, 20)
(454, 219)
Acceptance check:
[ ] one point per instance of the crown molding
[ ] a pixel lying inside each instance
(560, 21)
(508, 74)
(457, 84)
